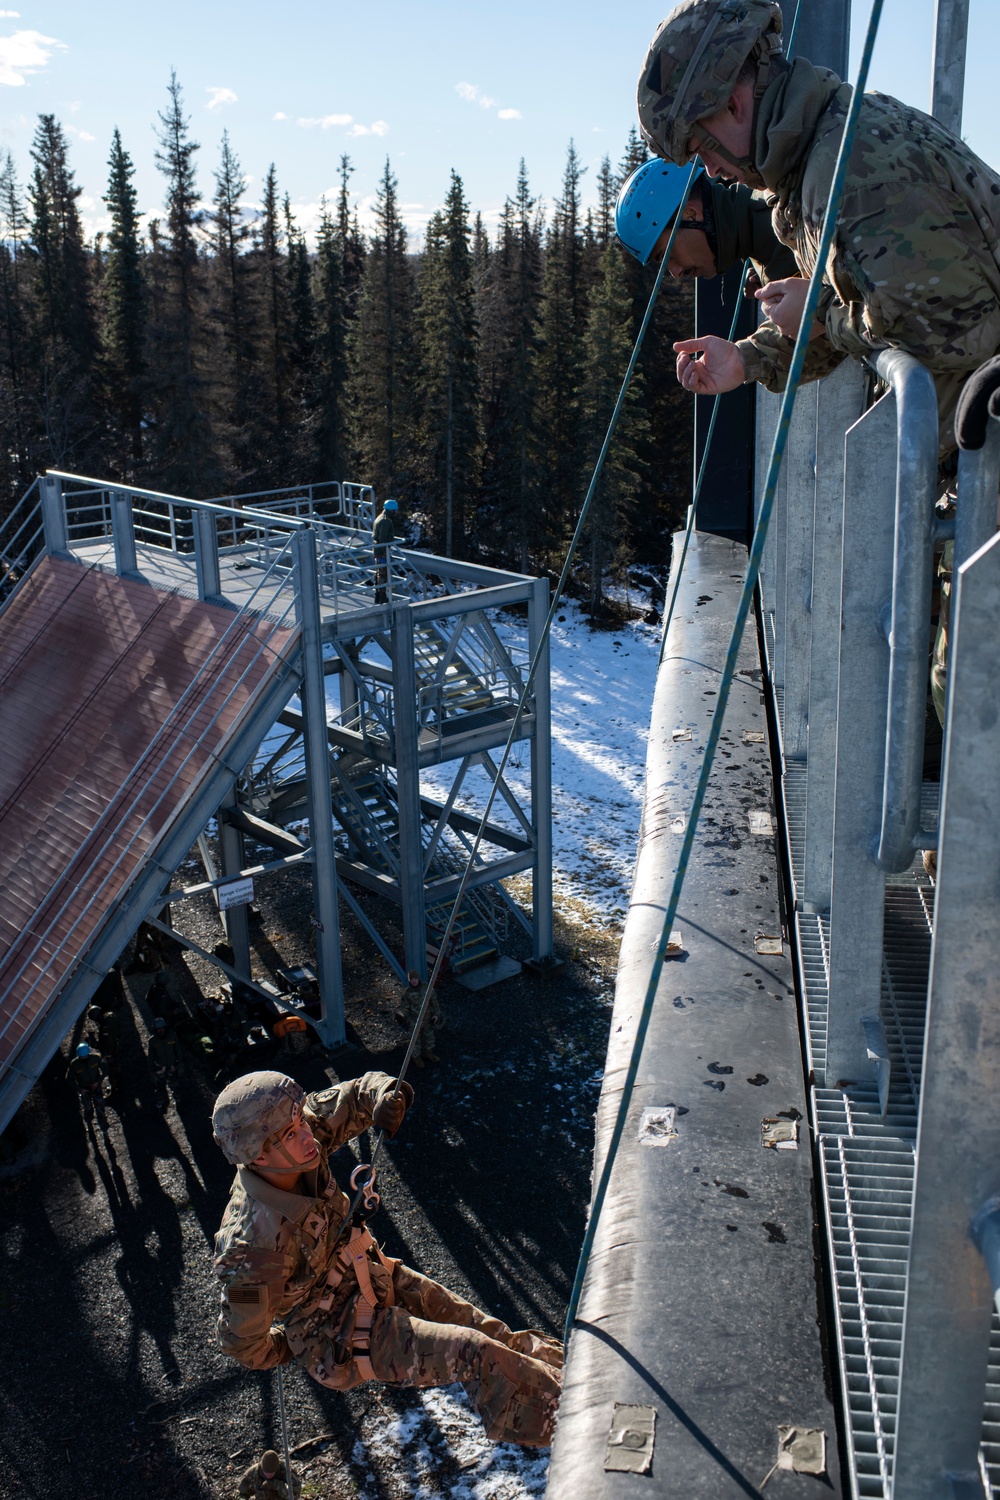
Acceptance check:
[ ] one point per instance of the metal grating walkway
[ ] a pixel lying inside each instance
(866, 1163)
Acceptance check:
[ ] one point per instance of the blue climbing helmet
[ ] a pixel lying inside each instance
(391, 505)
(648, 200)
(83, 1050)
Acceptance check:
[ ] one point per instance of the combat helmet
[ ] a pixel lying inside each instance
(646, 205)
(250, 1110)
(691, 70)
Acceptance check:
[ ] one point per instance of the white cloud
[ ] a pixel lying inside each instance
(470, 93)
(24, 53)
(280, 115)
(84, 135)
(378, 127)
(326, 122)
(220, 97)
(10, 15)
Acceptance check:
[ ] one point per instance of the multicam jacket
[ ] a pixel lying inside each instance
(915, 263)
(276, 1250)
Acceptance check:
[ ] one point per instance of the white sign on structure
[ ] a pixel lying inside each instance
(235, 893)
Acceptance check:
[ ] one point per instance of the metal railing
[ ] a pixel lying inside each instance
(906, 1061)
(336, 502)
(22, 539)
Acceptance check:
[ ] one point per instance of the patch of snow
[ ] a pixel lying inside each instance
(441, 1430)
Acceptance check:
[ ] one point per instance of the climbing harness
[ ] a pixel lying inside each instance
(729, 670)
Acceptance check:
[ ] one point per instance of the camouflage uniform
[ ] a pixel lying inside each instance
(407, 1013)
(915, 261)
(255, 1484)
(298, 1285)
(383, 533)
(88, 1075)
(744, 231)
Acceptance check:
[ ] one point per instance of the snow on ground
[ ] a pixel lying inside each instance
(602, 692)
(411, 1446)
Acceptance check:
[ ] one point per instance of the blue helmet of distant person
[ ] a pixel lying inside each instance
(648, 200)
(83, 1050)
(391, 505)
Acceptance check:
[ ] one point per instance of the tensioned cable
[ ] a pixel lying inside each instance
(675, 578)
(536, 660)
(729, 670)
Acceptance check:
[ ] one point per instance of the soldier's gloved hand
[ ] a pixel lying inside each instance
(389, 1111)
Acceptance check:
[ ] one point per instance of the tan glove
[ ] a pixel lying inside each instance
(390, 1110)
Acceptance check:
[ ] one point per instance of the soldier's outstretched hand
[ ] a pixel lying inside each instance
(389, 1112)
(709, 365)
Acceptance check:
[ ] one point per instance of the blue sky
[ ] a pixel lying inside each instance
(434, 84)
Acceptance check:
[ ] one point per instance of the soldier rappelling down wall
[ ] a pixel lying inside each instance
(302, 1283)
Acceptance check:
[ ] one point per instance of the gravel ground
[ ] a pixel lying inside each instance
(110, 1381)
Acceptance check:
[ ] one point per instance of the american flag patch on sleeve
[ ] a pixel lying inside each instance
(244, 1296)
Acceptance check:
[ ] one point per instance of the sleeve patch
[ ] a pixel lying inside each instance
(245, 1296)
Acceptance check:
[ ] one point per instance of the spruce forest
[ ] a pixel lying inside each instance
(213, 352)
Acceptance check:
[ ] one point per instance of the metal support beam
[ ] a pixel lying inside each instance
(949, 1295)
(411, 853)
(840, 401)
(541, 778)
(824, 33)
(233, 855)
(858, 894)
(54, 516)
(206, 555)
(951, 28)
(332, 1025)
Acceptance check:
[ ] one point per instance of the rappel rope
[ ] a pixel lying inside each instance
(675, 582)
(729, 670)
(535, 661)
(284, 1430)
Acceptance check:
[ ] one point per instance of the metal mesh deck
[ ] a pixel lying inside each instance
(867, 1161)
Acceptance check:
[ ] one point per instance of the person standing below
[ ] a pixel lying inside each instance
(87, 1071)
(407, 1012)
(164, 1055)
(383, 535)
(302, 1281)
(265, 1480)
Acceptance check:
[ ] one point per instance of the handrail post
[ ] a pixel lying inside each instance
(796, 624)
(332, 1025)
(840, 402)
(857, 883)
(123, 532)
(206, 555)
(912, 579)
(54, 516)
(949, 1296)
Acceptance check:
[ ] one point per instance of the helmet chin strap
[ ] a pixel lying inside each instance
(745, 165)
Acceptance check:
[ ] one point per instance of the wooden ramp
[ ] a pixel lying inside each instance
(118, 705)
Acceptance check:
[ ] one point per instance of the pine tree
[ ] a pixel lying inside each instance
(611, 525)
(446, 332)
(506, 523)
(330, 356)
(123, 302)
(67, 352)
(381, 350)
(184, 459)
(302, 312)
(15, 448)
(234, 316)
(561, 328)
(350, 240)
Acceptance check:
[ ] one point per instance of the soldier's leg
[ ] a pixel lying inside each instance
(429, 1299)
(516, 1396)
